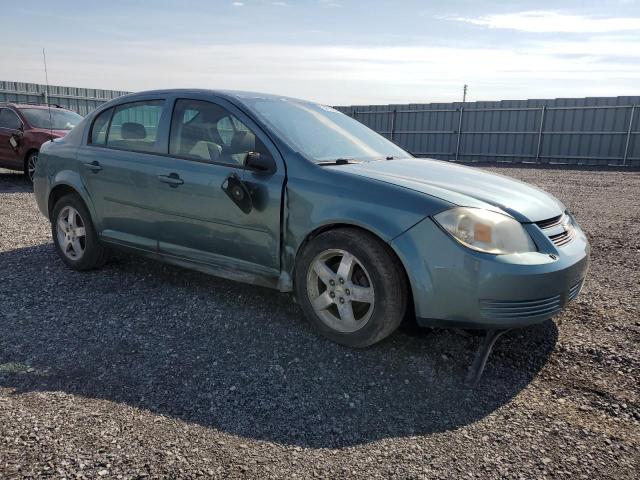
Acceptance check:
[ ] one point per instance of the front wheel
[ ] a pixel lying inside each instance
(351, 287)
(30, 165)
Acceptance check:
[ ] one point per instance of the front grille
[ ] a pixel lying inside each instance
(562, 238)
(524, 309)
(550, 222)
(507, 309)
(554, 224)
(574, 291)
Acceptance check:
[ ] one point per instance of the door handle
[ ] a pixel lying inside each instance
(172, 179)
(94, 166)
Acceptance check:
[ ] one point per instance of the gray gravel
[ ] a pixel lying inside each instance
(142, 369)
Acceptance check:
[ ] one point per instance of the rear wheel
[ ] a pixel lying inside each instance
(30, 165)
(74, 235)
(351, 287)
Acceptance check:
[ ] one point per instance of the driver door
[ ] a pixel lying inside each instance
(197, 220)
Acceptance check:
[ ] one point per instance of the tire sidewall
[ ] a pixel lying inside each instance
(385, 309)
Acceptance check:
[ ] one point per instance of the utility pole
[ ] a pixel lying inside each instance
(464, 93)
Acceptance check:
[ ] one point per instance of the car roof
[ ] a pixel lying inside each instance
(30, 105)
(238, 95)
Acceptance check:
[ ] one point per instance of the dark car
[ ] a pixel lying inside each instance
(25, 127)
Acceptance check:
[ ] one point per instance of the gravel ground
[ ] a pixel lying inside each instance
(142, 369)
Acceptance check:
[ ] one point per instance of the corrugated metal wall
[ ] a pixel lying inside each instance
(81, 100)
(582, 131)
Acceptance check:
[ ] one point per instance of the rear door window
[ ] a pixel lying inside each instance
(134, 126)
(100, 127)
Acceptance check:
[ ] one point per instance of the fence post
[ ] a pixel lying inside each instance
(459, 132)
(544, 109)
(626, 146)
(394, 113)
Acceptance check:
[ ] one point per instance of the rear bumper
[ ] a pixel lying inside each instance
(454, 286)
(41, 193)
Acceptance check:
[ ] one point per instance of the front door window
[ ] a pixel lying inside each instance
(206, 132)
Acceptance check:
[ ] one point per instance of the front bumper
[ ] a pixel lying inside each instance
(454, 286)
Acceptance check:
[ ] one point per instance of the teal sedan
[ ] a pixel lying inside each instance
(296, 196)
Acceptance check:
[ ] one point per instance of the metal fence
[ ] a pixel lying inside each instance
(581, 131)
(81, 100)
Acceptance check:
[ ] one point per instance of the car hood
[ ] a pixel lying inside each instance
(464, 186)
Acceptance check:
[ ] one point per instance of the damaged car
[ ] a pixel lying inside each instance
(299, 197)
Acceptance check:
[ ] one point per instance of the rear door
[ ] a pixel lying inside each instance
(10, 128)
(198, 221)
(118, 169)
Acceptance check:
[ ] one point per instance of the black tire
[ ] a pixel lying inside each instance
(32, 157)
(94, 254)
(386, 276)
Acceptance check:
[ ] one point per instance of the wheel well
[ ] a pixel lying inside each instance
(29, 152)
(26, 155)
(394, 256)
(57, 193)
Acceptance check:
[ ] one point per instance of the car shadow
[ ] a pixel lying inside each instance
(238, 358)
(14, 182)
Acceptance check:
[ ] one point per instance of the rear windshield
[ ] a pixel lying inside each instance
(60, 119)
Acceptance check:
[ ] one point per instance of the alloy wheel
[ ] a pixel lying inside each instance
(31, 165)
(340, 290)
(71, 232)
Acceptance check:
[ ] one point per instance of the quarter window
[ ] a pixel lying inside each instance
(134, 126)
(8, 119)
(207, 132)
(100, 127)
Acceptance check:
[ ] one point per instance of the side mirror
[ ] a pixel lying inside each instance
(260, 163)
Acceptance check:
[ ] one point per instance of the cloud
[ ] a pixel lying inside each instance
(601, 65)
(329, 3)
(549, 21)
(238, 4)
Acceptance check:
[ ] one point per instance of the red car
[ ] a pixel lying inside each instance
(24, 127)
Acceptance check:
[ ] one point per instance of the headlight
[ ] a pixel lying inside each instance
(486, 231)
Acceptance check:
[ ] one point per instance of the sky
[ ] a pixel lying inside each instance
(336, 52)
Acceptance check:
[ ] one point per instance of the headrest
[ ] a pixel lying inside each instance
(133, 131)
(206, 150)
(243, 141)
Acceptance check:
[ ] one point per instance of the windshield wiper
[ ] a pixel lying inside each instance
(337, 161)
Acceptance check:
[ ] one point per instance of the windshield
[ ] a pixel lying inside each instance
(60, 119)
(322, 133)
